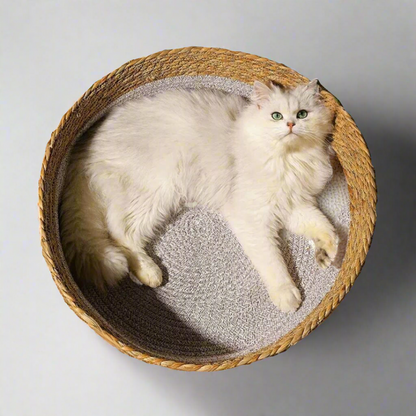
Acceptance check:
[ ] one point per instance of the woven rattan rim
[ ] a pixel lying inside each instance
(348, 144)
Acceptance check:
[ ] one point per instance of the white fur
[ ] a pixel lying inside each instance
(151, 156)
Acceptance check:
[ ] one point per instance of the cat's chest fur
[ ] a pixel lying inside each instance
(293, 172)
(291, 178)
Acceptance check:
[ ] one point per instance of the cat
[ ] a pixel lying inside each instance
(260, 163)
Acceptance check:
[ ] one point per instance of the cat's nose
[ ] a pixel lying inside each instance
(290, 125)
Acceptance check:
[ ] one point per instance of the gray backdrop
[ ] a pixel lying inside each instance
(361, 361)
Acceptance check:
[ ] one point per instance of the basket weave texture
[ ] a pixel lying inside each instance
(348, 144)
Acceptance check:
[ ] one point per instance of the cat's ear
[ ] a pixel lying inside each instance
(261, 93)
(314, 87)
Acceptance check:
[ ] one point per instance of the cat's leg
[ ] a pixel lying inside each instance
(261, 246)
(133, 226)
(309, 221)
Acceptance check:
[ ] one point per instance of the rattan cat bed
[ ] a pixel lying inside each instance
(213, 313)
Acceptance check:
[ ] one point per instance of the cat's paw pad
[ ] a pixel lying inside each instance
(287, 298)
(150, 275)
(326, 248)
(322, 258)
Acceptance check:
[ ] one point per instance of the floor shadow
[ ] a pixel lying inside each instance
(385, 286)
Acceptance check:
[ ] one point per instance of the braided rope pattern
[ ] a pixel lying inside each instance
(348, 143)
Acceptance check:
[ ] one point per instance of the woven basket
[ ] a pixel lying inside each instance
(348, 144)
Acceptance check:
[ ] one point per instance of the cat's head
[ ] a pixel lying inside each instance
(291, 115)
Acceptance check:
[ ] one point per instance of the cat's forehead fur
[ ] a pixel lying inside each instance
(305, 96)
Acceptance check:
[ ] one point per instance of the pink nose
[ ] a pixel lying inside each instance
(290, 124)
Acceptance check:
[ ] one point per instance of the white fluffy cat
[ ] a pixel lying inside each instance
(260, 163)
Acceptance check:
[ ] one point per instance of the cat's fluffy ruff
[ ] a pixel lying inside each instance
(150, 156)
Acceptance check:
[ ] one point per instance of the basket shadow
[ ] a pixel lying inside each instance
(149, 325)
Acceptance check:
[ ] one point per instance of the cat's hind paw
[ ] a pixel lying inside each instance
(287, 298)
(149, 274)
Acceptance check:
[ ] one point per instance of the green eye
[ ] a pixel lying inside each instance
(302, 114)
(276, 116)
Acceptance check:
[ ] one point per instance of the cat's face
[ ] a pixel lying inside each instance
(294, 115)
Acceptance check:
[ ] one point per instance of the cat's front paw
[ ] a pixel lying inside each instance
(287, 297)
(326, 247)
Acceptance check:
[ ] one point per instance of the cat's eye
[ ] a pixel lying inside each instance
(302, 114)
(276, 116)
